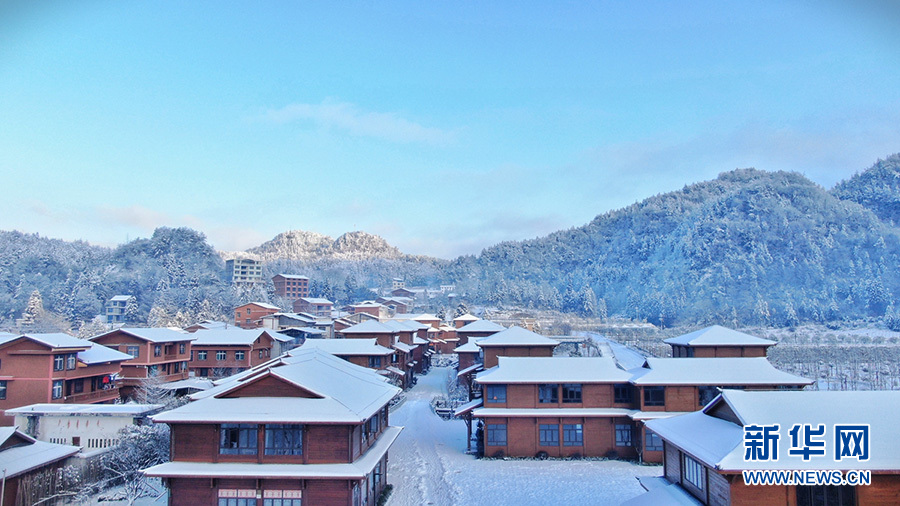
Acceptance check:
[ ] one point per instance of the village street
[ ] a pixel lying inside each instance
(428, 465)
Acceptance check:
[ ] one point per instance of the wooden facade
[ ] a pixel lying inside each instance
(167, 360)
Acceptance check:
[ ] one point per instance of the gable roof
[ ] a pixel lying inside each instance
(718, 335)
(554, 370)
(466, 318)
(155, 334)
(316, 300)
(19, 459)
(718, 371)
(469, 347)
(99, 354)
(235, 336)
(347, 347)
(52, 340)
(515, 336)
(121, 298)
(719, 443)
(290, 276)
(263, 305)
(369, 327)
(481, 326)
(350, 393)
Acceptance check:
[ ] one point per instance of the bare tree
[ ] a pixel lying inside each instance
(139, 447)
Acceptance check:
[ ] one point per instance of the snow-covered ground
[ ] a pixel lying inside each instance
(428, 465)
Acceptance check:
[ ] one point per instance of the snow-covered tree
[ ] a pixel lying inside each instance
(461, 309)
(139, 447)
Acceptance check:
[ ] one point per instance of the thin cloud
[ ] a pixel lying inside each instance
(349, 118)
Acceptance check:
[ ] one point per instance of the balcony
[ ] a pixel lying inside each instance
(94, 397)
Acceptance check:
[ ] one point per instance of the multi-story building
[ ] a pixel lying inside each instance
(222, 352)
(514, 342)
(718, 341)
(56, 368)
(243, 271)
(463, 320)
(362, 352)
(527, 397)
(316, 306)
(706, 451)
(478, 329)
(162, 353)
(248, 315)
(308, 428)
(291, 286)
(116, 306)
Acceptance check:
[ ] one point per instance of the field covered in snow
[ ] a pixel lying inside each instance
(428, 465)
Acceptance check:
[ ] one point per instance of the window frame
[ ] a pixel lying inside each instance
(134, 351)
(571, 393)
(548, 388)
(573, 434)
(239, 355)
(623, 393)
(495, 398)
(651, 392)
(201, 354)
(221, 355)
(3, 389)
(245, 433)
(650, 440)
(59, 363)
(283, 431)
(492, 431)
(548, 434)
(622, 430)
(692, 468)
(56, 391)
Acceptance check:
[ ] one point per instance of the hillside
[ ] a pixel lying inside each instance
(750, 246)
(311, 246)
(876, 189)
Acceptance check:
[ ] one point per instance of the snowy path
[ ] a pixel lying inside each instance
(428, 465)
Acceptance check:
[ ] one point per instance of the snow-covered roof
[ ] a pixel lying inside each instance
(235, 336)
(466, 318)
(346, 393)
(190, 384)
(85, 409)
(655, 415)
(719, 442)
(395, 370)
(719, 371)
(671, 495)
(471, 368)
(515, 336)
(316, 300)
(554, 370)
(469, 347)
(481, 326)
(467, 407)
(398, 326)
(20, 459)
(99, 354)
(405, 348)
(263, 305)
(53, 340)
(210, 324)
(121, 298)
(292, 276)
(348, 347)
(158, 334)
(718, 335)
(550, 412)
(355, 470)
(418, 341)
(369, 327)
(424, 316)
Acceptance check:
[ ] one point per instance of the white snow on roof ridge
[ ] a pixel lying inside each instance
(713, 371)
(517, 336)
(717, 335)
(554, 369)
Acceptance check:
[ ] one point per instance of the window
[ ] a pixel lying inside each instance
(182, 348)
(283, 439)
(70, 361)
(571, 392)
(622, 394)
(3, 389)
(372, 425)
(176, 367)
(157, 350)
(282, 502)
(59, 362)
(549, 434)
(653, 442)
(707, 394)
(573, 434)
(134, 351)
(694, 473)
(623, 434)
(375, 362)
(239, 355)
(655, 396)
(826, 495)
(237, 439)
(221, 355)
(548, 393)
(237, 501)
(260, 353)
(496, 434)
(78, 386)
(201, 355)
(57, 389)
(496, 393)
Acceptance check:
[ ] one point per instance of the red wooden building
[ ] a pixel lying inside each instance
(56, 368)
(223, 352)
(306, 429)
(160, 352)
(718, 341)
(248, 315)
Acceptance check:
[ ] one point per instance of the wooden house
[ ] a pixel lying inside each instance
(705, 451)
(307, 428)
(718, 341)
(315, 306)
(25, 460)
(477, 329)
(248, 315)
(223, 352)
(160, 352)
(515, 342)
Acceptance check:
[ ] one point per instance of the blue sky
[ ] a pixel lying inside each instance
(444, 127)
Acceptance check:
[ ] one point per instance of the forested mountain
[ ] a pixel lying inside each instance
(750, 247)
(876, 189)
